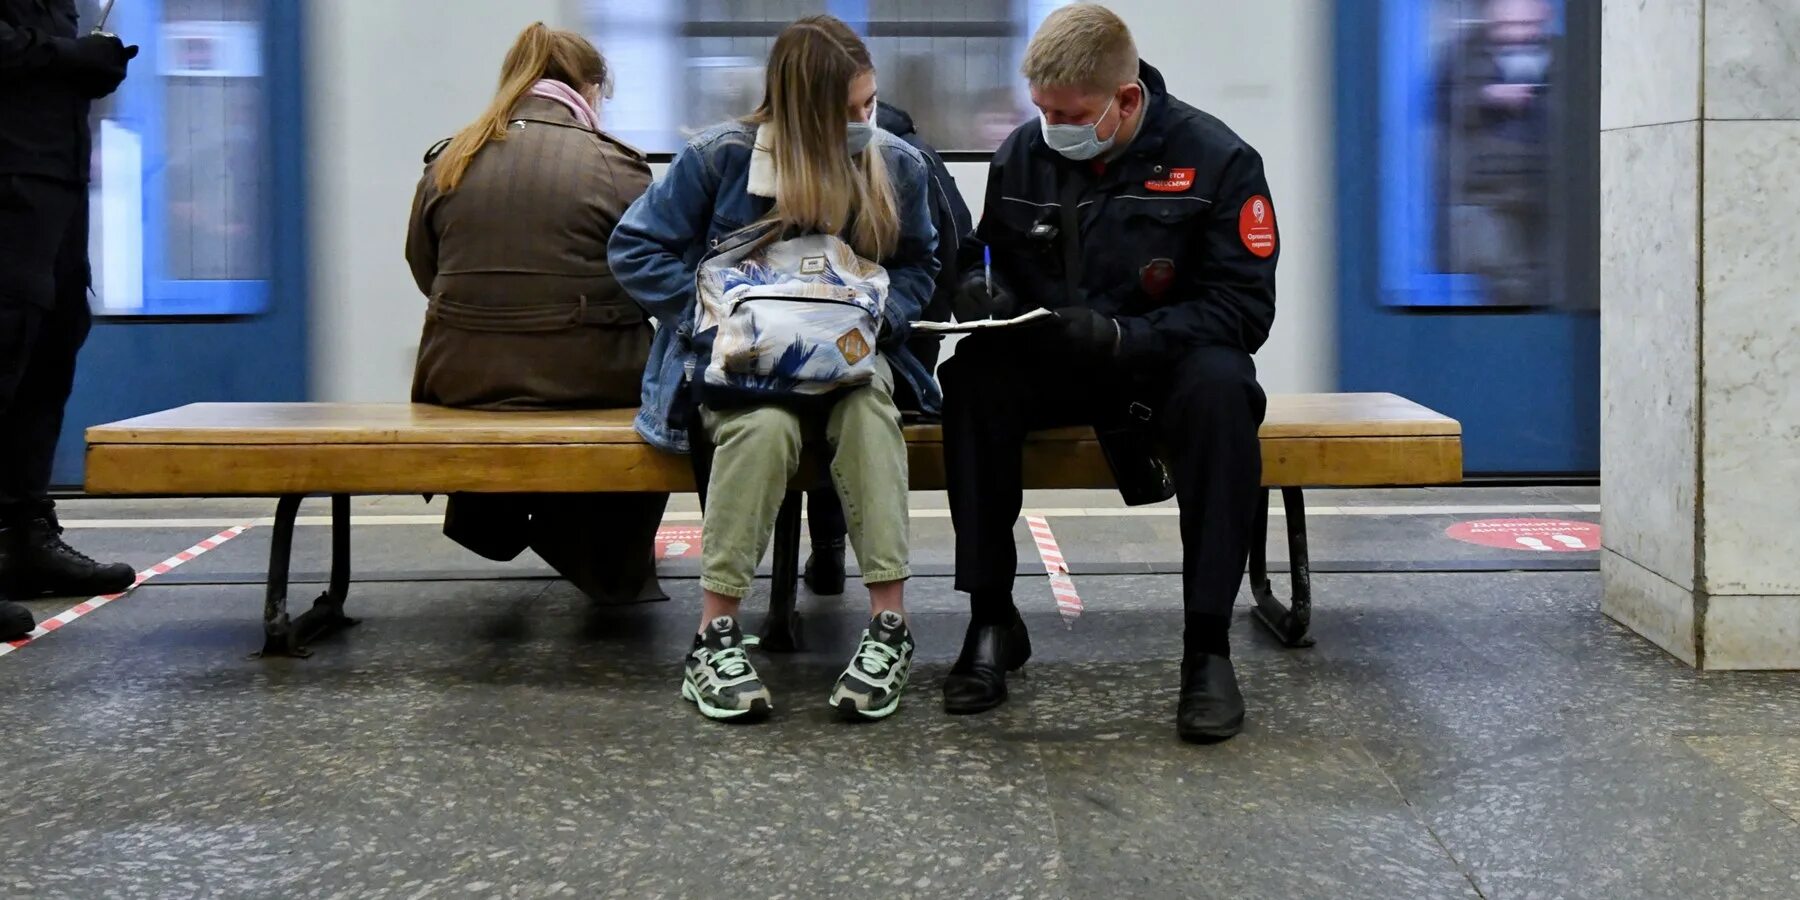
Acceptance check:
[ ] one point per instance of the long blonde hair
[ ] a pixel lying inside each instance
(539, 53)
(804, 116)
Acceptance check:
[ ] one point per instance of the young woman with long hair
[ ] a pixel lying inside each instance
(508, 241)
(808, 161)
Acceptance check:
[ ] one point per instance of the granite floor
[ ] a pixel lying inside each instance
(1469, 726)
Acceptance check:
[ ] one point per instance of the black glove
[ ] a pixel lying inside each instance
(1087, 334)
(100, 63)
(974, 301)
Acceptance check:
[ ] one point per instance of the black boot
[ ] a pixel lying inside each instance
(15, 621)
(824, 574)
(1212, 709)
(977, 683)
(39, 564)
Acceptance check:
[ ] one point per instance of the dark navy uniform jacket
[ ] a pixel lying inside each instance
(43, 111)
(1177, 236)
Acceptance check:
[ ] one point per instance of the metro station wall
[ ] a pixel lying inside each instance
(385, 80)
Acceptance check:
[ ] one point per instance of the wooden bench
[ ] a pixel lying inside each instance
(292, 450)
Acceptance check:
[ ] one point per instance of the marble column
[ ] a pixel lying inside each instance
(1700, 326)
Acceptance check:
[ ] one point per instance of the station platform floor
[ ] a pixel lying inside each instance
(1468, 725)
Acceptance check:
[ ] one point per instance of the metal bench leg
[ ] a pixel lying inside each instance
(327, 614)
(285, 637)
(1289, 623)
(278, 632)
(781, 633)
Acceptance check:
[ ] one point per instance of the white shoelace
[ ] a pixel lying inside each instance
(875, 657)
(731, 662)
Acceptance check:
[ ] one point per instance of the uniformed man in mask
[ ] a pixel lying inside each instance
(1147, 226)
(48, 77)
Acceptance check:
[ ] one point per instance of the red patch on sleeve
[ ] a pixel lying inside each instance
(1178, 180)
(1256, 225)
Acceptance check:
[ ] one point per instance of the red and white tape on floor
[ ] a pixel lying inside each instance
(1068, 601)
(88, 606)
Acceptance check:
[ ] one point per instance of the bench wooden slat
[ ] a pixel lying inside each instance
(275, 469)
(1290, 415)
(1343, 440)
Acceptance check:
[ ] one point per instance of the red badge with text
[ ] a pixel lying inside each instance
(1538, 535)
(1179, 180)
(1156, 276)
(1256, 225)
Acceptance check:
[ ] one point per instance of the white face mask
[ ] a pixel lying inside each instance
(1079, 142)
(857, 138)
(1524, 64)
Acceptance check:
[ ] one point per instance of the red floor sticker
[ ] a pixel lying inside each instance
(1538, 535)
(677, 542)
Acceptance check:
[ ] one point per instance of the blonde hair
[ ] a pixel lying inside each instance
(539, 53)
(804, 116)
(1082, 45)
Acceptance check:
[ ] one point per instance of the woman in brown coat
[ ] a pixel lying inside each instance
(508, 240)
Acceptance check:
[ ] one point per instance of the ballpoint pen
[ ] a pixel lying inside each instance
(105, 13)
(987, 271)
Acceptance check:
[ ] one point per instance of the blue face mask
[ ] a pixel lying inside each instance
(858, 137)
(1079, 142)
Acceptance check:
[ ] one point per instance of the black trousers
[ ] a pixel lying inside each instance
(1208, 408)
(44, 320)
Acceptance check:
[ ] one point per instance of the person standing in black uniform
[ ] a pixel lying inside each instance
(1147, 226)
(48, 77)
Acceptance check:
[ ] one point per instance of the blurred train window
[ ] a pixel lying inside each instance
(180, 178)
(682, 65)
(212, 89)
(1476, 129)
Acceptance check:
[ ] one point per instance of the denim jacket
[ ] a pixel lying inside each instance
(717, 185)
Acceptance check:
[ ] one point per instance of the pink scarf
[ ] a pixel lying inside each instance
(550, 89)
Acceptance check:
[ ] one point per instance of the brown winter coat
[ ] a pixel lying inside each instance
(524, 312)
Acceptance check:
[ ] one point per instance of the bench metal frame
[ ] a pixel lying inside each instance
(283, 636)
(1288, 622)
(781, 632)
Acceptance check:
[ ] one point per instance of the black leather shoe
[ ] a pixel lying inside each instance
(39, 564)
(824, 574)
(15, 621)
(1212, 708)
(977, 683)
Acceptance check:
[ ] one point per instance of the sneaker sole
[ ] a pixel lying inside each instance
(758, 710)
(848, 710)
